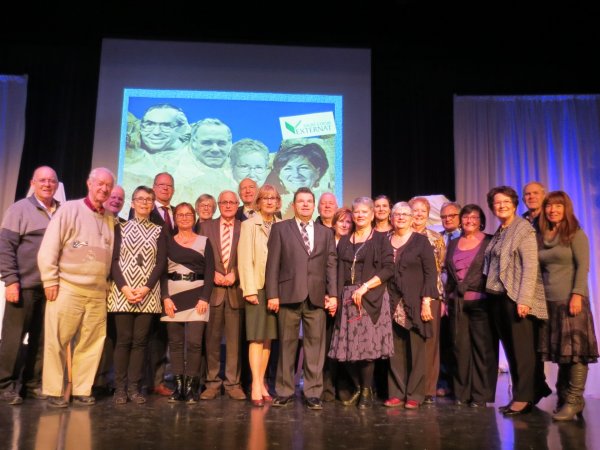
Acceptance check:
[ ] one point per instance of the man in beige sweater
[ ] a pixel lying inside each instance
(74, 262)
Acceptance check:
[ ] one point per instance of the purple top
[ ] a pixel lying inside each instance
(462, 261)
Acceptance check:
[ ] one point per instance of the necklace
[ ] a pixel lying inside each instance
(185, 240)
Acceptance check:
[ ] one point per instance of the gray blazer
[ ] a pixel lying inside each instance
(292, 275)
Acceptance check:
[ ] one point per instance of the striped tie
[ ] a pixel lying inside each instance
(226, 244)
(305, 238)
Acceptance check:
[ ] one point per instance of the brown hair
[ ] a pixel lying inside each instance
(569, 225)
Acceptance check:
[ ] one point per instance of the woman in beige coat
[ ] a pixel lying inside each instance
(261, 325)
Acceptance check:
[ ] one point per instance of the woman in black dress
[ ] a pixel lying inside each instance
(186, 296)
(363, 330)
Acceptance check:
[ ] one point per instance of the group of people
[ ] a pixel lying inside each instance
(360, 284)
(203, 155)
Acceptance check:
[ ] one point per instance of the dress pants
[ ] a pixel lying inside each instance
(432, 350)
(313, 326)
(26, 316)
(224, 320)
(76, 317)
(517, 336)
(130, 348)
(185, 347)
(475, 349)
(406, 378)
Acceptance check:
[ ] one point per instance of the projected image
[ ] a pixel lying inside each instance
(209, 141)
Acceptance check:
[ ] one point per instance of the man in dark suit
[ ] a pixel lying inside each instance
(301, 285)
(248, 190)
(226, 302)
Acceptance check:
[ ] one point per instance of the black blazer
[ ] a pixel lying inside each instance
(475, 279)
(378, 260)
(415, 277)
(292, 275)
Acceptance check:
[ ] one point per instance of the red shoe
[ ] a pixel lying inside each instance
(393, 402)
(161, 389)
(411, 404)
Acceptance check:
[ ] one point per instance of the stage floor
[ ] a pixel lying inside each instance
(230, 424)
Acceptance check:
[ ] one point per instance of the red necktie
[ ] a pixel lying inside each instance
(167, 217)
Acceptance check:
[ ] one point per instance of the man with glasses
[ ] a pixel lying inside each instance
(226, 302)
(450, 215)
(164, 132)
(249, 159)
(21, 235)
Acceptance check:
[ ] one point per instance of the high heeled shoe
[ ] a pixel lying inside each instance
(525, 410)
(352, 401)
(258, 403)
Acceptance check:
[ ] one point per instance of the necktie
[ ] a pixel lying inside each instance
(226, 244)
(167, 217)
(250, 213)
(305, 238)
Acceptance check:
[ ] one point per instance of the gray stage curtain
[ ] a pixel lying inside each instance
(516, 139)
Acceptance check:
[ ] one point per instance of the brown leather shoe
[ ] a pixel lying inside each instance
(210, 394)
(161, 389)
(236, 393)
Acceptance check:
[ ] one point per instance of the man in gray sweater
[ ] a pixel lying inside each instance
(21, 234)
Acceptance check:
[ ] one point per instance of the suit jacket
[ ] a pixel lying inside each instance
(211, 229)
(252, 255)
(156, 218)
(474, 279)
(239, 215)
(292, 274)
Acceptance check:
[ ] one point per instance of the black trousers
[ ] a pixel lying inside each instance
(518, 339)
(475, 347)
(185, 347)
(25, 316)
(406, 378)
(130, 348)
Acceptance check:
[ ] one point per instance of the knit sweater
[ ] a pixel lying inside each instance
(76, 250)
(21, 235)
(516, 266)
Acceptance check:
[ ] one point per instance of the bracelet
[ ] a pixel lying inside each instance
(365, 284)
(426, 302)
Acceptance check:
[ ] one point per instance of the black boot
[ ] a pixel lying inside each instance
(574, 402)
(191, 389)
(178, 393)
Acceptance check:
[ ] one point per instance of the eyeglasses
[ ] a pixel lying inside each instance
(51, 181)
(471, 218)
(269, 199)
(227, 203)
(164, 186)
(503, 203)
(143, 200)
(247, 169)
(205, 206)
(448, 216)
(162, 126)
(401, 215)
(184, 215)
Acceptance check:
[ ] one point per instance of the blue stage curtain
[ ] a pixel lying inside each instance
(553, 139)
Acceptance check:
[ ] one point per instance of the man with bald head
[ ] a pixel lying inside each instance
(74, 261)
(327, 208)
(226, 302)
(534, 193)
(21, 235)
(115, 201)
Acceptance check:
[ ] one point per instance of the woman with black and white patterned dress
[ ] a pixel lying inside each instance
(139, 260)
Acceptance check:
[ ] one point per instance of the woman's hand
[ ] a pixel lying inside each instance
(426, 315)
(170, 307)
(141, 292)
(358, 294)
(252, 299)
(523, 310)
(575, 304)
(201, 307)
(130, 295)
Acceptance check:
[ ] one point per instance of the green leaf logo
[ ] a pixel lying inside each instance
(291, 127)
